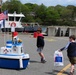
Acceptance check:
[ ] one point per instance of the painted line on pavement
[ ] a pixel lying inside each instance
(49, 39)
(64, 69)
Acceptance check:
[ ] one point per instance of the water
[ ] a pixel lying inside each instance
(44, 28)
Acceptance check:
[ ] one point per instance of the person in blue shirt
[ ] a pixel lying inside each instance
(71, 52)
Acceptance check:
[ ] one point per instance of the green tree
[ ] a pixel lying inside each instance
(12, 5)
(30, 15)
(41, 13)
(52, 15)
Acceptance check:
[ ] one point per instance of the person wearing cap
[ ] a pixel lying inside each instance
(15, 37)
(40, 44)
(15, 34)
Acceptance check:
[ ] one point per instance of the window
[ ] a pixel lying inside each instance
(17, 18)
(11, 18)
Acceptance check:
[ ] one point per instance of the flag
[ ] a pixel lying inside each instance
(6, 16)
(1, 23)
(2, 16)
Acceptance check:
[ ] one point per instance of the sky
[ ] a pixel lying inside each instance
(50, 2)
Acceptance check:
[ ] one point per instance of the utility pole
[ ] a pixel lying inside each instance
(0, 5)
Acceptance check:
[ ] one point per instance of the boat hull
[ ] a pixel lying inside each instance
(13, 62)
(9, 29)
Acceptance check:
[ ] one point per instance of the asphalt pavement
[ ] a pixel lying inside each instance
(36, 67)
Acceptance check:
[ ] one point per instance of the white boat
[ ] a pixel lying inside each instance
(13, 57)
(13, 20)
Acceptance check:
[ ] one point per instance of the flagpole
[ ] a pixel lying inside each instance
(3, 26)
(0, 6)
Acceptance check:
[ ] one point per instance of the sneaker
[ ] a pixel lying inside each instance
(42, 60)
(71, 73)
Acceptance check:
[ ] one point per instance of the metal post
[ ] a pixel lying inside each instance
(12, 36)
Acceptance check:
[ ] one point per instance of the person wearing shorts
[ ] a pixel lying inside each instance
(71, 52)
(40, 45)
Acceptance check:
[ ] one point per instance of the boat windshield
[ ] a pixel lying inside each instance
(11, 18)
(17, 18)
(14, 19)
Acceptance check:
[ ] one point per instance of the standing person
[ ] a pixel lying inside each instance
(40, 44)
(71, 52)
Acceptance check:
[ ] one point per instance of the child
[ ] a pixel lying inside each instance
(71, 52)
(40, 45)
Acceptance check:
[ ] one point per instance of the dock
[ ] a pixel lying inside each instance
(35, 67)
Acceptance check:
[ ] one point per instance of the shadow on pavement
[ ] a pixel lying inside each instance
(33, 61)
(54, 72)
(51, 73)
